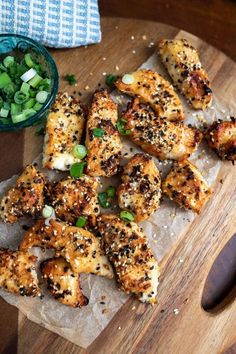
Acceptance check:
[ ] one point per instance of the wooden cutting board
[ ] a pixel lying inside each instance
(178, 325)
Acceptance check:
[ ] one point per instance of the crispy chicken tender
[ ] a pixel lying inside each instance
(140, 190)
(17, 272)
(151, 88)
(221, 137)
(72, 198)
(183, 64)
(64, 130)
(163, 139)
(79, 247)
(26, 198)
(62, 282)
(127, 248)
(186, 186)
(104, 151)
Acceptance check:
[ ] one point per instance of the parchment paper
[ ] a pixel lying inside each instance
(82, 326)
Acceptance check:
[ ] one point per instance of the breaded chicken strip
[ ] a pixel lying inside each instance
(186, 186)
(140, 190)
(72, 198)
(79, 247)
(62, 282)
(102, 138)
(183, 64)
(26, 198)
(163, 139)
(64, 130)
(151, 88)
(221, 137)
(17, 272)
(127, 248)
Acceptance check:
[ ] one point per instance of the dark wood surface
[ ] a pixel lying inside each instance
(214, 20)
(147, 328)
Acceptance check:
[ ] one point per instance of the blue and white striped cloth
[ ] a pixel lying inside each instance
(54, 23)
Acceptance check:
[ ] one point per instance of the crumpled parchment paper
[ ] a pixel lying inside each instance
(164, 228)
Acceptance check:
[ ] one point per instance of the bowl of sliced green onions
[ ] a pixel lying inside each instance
(28, 82)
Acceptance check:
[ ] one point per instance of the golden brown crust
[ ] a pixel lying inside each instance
(64, 130)
(221, 137)
(127, 248)
(62, 282)
(140, 190)
(186, 186)
(72, 198)
(103, 152)
(163, 139)
(183, 64)
(78, 246)
(17, 272)
(26, 198)
(151, 88)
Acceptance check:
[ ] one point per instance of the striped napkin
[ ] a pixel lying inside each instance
(54, 23)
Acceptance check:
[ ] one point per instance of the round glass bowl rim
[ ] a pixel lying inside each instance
(43, 51)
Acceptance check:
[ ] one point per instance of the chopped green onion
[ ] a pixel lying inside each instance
(77, 169)
(4, 80)
(121, 127)
(4, 112)
(30, 103)
(45, 84)
(81, 222)
(71, 79)
(111, 192)
(15, 109)
(35, 80)
(8, 61)
(79, 151)
(28, 60)
(110, 80)
(21, 97)
(4, 121)
(41, 96)
(28, 75)
(102, 198)
(19, 118)
(25, 87)
(2, 67)
(29, 112)
(126, 215)
(6, 105)
(47, 211)
(98, 132)
(9, 90)
(32, 93)
(37, 106)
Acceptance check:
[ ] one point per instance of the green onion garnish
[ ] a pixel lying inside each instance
(79, 151)
(35, 80)
(111, 192)
(98, 132)
(4, 112)
(81, 222)
(110, 80)
(8, 61)
(28, 60)
(47, 211)
(77, 169)
(41, 96)
(4, 80)
(121, 127)
(28, 75)
(126, 215)
(37, 106)
(102, 198)
(21, 97)
(71, 79)
(25, 87)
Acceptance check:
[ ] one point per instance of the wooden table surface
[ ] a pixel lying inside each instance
(147, 329)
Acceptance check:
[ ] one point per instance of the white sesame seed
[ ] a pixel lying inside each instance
(104, 74)
(133, 51)
(119, 328)
(132, 38)
(104, 58)
(176, 311)
(117, 68)
(144, 37)
(181, 260)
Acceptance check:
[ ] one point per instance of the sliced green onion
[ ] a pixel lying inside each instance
(28, 75)
(2, 67)
(41, 96)
(98, 132)
(120, 127)
(15, 109)
(111, 192)
(102, 198)
(110, 80)
(81, 222)
(77, 169)
(35, 81)
(79, 151)
(25, 87)
(8, 61)
(28, 60)
(4, 121)
(47, 211)
(29, 104)
(126, 215)
(32, 93)
(29, 112)
(45, 84)
(21, 97)
(18, 118)
(71, 79)
(4, 112)
(9, 90)
(37, 106)
(6, 105)
(4, 80)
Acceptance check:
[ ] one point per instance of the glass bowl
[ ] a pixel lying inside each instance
(13, 44)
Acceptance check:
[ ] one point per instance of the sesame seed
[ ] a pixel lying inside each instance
(117, 68)
(119, 328)
(104, 74)
(176, 311)
(181, 260)
(144, 37)
(133, 51)
(104, 58)
(132, 38)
